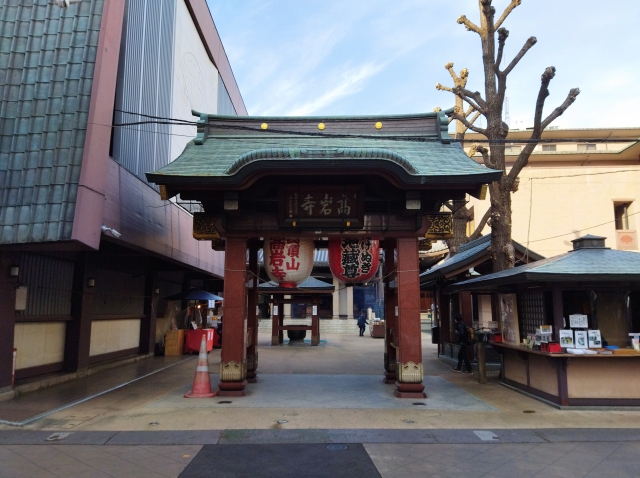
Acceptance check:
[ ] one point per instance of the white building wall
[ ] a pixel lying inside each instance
(195, 80)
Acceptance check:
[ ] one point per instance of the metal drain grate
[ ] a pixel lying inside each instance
(337, 447)
(225, 401)
(420, 404)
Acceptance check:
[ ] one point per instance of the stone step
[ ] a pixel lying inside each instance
(333, 326)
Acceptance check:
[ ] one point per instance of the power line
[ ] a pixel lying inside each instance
(580, 230)
(160, 120)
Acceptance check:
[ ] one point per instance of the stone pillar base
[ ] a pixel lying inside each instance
(315, 340)
(410, 390)
(390, 378)
(253, 379)
(232, 389)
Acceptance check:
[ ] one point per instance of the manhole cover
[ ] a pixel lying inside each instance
(225, 401)
(336, 447)
(420, 404)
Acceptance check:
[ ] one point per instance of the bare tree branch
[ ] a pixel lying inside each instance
(507, 11)
(465, 122)
(475, 117)
(571, 97)
(486, 159)
(526, 47)
(443, 88)
(538, 124)
(483, 222)
(467, 95)
(463, 20)
(503, 34)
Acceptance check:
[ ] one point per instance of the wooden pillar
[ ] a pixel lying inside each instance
(390, 303)
(78, 332)
(558, 324)
(280, 319)
(315, 322)
(409, 369)
(148, 322)
(275, 321)
(252, 314)
(7, 318)
(233, 359)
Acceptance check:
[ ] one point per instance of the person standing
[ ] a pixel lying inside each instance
(362, 322)
(463, 342)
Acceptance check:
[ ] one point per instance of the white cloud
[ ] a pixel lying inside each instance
(350, 82)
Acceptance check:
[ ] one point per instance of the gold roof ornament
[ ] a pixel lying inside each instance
(264, 125)
(320, 126)
(378, 125)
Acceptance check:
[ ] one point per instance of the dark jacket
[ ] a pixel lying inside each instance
(461, 332)
(362, 321)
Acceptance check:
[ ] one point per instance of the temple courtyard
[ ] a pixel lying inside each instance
(315, 411)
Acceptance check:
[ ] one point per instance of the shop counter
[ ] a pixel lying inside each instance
(564, 379)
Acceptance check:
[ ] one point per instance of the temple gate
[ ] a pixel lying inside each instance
(390, 179)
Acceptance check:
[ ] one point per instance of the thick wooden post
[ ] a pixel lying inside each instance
(252, 314)
(481, 356)
(275, 320)
(409, 369)
(315, 322)
(233, 360)
(390, 303)
(7, 319)
(558, 325)
(78, 333)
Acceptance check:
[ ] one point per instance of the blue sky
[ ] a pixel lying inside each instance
(351, 57)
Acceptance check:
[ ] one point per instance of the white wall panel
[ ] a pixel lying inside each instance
(39, 343)
(114, 335)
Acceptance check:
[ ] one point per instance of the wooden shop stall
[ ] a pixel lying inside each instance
(569, 325)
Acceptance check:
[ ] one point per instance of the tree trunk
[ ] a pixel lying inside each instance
(460, 220)
(502, 252)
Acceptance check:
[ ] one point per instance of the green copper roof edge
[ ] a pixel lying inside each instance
(475, 178)
(265, 154)
(317, 118)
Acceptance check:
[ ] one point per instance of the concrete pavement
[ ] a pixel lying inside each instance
(317, 395)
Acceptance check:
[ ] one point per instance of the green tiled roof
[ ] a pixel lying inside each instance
(414, 147)
(47, 57)
(577, 266)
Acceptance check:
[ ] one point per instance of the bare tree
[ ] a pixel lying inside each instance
(461, 214)
(495, 86)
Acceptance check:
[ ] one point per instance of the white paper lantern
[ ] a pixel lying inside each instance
(288, 260)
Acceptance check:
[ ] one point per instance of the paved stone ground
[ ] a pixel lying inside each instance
(311, 396)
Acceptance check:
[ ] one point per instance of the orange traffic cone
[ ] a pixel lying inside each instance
(202, 382)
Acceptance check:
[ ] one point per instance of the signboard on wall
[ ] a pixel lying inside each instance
(321, 206)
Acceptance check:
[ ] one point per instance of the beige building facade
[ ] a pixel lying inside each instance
(578, 181)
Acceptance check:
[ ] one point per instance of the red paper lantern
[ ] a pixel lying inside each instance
(288, 260)
(354, 260)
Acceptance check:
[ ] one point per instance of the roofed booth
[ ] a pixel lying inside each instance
(569, 325)
(287, 181)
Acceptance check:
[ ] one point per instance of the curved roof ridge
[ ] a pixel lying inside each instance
(319, 153)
